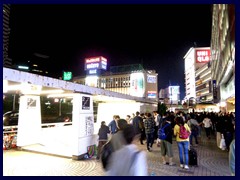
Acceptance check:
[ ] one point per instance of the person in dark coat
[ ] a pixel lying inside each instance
(113, 124)
(103, 137)
(149, 125)
(166, 144)
(138, 126)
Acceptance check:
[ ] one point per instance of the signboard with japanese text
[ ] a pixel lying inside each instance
(214, 91)
(96, 63)
(151, 79)
(85, 103)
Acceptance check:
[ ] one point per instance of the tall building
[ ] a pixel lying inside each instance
(36, 63)
(223, 55)
(198, 80)
(170, 96)
(7, 62)
(198, 74)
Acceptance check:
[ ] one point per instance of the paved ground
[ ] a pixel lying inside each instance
(211, 162)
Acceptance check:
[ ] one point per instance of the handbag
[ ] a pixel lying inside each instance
(106, 152)
(222, 143)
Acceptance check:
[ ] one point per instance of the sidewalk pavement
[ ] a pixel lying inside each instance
(212, 161)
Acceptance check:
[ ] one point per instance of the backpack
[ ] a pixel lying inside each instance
(194, 128)
(161, 132)
(106, 152)
(183, 133)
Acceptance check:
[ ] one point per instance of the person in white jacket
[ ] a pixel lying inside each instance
(128, 161)
(207, 125)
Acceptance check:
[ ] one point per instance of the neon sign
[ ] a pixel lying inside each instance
(96, 63)
(203, 56)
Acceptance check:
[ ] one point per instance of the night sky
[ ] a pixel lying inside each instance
(158, 36)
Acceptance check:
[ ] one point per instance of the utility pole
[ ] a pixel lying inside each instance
(170, 95)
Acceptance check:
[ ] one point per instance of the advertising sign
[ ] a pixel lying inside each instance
(214, 84)
(151, 79)
(96, 63)
(151, 94)
(137, 84)
(203, 56)
(85, 103)
(67, 76)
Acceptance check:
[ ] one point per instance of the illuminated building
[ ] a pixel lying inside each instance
(36, 64)
(198, 74)
(170, 96)
(223, 55)
(129, 79)
(198, 79)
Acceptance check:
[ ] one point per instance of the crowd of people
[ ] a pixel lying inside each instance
(144, 127)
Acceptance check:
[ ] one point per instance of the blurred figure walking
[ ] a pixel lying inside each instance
(128, 161)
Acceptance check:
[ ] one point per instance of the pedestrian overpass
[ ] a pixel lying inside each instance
(75, 140)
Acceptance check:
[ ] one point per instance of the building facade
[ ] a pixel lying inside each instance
(198, 74)
(131, 81)
(212, 80)
(7, 62)
(223, 55)
(170, 95)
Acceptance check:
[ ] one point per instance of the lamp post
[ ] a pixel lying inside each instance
(171, 98)
(14, 102)
(60, 107)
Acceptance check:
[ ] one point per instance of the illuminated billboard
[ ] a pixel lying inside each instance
(137, 84)
(151, 79)
(202, 55)
(151, 94)
(96, 63)
(174, 92)
(67, 76)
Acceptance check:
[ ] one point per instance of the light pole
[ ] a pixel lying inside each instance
(60, 107)
(171, 98)
(14, 102)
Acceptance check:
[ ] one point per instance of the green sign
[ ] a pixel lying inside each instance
(67, 76)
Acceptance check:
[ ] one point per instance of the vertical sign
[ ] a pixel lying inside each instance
(214, 91)
(89, 122)
(85, 103)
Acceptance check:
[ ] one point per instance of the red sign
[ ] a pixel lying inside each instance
(203, 56)
(92, 60)
(95, 59)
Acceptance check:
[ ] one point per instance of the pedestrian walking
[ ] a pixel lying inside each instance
(103, 137)
(183, 144)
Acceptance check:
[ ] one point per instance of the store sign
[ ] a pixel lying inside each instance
(214, 91)
(85, 103)
(67, 76)
(203, 56)
(151, 79)
(151, 94)
(96, 63)
(92, 71)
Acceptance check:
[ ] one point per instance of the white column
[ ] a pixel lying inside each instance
(83, 125)
(29, 122)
